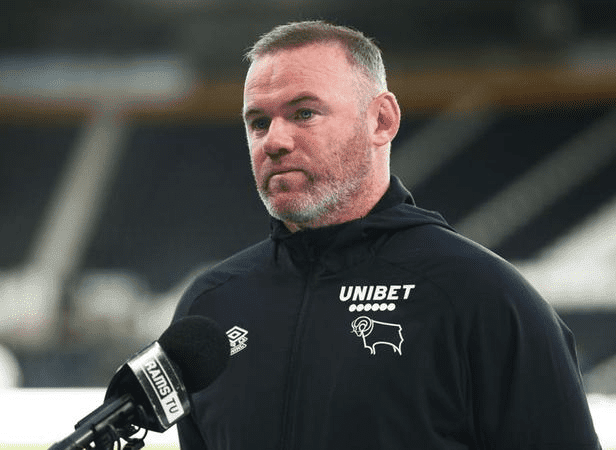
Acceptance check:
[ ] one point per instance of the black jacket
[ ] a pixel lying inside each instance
(388, 332)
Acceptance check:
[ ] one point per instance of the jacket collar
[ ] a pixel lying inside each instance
(394, 211)
(396, 194)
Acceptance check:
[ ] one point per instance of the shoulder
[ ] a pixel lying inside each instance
(244, 262)
(439, 251)
(463, 271)
(493, 305)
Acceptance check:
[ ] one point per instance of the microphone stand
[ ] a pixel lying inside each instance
(99, 427)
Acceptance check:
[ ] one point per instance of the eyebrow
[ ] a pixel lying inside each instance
(303, 98)
(295, 101)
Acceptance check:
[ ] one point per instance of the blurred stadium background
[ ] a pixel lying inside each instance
(124, 169)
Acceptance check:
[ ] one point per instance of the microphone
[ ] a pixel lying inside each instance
(150, 391)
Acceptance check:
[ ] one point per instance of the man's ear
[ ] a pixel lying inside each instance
(385, 118)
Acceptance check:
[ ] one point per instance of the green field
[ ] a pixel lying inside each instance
(45, 447)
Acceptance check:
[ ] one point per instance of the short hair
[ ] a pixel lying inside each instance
(362, 52)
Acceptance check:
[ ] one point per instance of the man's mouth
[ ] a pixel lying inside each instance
(282, 172)
(284, 176)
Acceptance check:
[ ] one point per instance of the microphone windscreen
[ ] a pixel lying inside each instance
(199, 348)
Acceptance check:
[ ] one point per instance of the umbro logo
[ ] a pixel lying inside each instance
(237, 339)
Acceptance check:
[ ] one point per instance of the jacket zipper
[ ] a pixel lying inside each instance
(290, 400)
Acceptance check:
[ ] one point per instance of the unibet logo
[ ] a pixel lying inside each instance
(375, 293)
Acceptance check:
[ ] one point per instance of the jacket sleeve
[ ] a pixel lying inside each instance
(525, 384)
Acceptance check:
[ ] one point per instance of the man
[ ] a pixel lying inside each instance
(363, 321)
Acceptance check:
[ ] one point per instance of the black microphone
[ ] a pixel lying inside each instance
(150, 391)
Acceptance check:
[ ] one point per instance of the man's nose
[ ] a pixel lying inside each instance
(279, 139)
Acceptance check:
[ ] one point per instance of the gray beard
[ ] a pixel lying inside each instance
(306, 211)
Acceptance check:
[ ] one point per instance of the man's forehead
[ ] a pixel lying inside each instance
(332, 48)
(319, 57)
(255, 107)
(296, 69)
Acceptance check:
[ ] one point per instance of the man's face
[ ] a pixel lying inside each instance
(308, 138)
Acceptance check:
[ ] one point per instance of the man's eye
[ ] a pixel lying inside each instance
(260, 124)
(305, 114)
